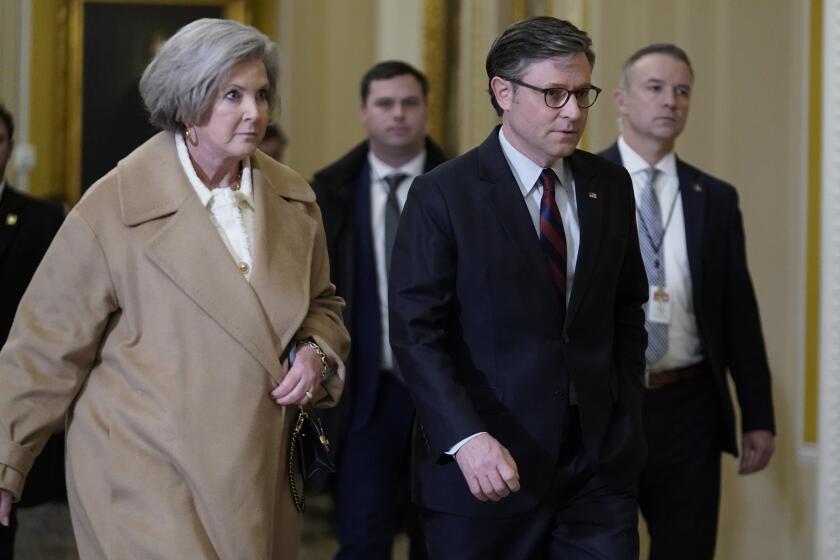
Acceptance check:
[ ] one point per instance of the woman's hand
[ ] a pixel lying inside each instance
(6, 499)
(298, 387)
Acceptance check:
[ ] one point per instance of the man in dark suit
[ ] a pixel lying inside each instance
(360, 197)
(702, 317)
(516, 319)
(27, 226)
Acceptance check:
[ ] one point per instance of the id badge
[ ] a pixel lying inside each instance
(659, 305)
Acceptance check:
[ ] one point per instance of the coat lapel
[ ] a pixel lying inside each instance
(694, 199)
(280, 279)
(188, 248)
(589, 196)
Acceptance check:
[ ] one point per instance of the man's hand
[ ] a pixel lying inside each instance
(488, 468)
(5, 507)
(758, 447)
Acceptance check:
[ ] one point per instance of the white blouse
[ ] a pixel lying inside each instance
(232, 212)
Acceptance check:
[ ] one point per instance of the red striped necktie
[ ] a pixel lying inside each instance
(552, 234)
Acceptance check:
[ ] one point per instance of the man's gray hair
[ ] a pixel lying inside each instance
(532, 40)
(180, 85)
(669, 49)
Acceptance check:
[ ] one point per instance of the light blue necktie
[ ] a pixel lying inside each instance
(651, 240)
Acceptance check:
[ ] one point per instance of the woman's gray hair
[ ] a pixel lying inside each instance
(180, 85)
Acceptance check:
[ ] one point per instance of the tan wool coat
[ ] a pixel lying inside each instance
(140, 332)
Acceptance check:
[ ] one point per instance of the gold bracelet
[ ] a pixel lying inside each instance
(320, 353)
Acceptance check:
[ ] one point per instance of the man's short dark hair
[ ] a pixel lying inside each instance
(274, 131)
(391, 69)
(656, 48)
(532, 40)
(7, 119)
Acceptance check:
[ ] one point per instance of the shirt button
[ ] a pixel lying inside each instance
(244, 268)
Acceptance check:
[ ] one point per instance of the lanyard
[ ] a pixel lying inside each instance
(657, 245)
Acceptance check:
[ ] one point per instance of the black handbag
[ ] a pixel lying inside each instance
(309, 457)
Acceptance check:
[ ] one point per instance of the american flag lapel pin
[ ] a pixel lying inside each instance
(593, 195)
(697, 187)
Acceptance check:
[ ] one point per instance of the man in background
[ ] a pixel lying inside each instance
(361, 196)
(27, 227)
(274, 142)
(702, 316)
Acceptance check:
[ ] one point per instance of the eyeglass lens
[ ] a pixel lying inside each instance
(557, 97)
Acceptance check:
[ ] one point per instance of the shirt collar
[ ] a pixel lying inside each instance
(634, 163)
(246, 187)
(526, 171)
(2, 186)
(412, 168)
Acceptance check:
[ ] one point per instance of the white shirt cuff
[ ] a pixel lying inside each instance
(454, 449)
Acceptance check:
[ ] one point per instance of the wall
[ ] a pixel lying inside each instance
(326, 47)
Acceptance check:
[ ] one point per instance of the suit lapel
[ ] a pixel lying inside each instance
(589, 197)
(694, 199)
(509, 205)
(279, 279)
(10, 217)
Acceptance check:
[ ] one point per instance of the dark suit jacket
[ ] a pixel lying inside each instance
(724, 300)
(336, 187)
(27, 227)
(476, 327)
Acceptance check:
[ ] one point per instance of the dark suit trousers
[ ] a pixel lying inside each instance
(372, 485)
(679, 488)
(581, 519)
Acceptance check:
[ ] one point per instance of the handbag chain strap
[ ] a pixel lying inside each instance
(300, 503)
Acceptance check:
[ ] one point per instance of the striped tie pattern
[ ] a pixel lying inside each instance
(552, 235)
(651, 236)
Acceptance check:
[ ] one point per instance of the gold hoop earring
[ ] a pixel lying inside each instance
(191, 136)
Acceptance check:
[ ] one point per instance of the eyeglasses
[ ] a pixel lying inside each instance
(557, 97)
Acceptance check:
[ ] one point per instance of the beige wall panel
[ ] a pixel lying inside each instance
(829, 399)
(400, 31)
(747, 126)
(479, 26)
(9, 38)
(332, 44)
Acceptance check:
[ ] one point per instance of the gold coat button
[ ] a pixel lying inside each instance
(244, 268)
(11, 219)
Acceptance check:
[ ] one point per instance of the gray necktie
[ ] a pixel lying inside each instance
(651, 238)
(392, 215)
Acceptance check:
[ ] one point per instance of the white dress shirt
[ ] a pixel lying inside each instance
(527, 174)
(237, 231)
(684, 347)
(378, 196)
